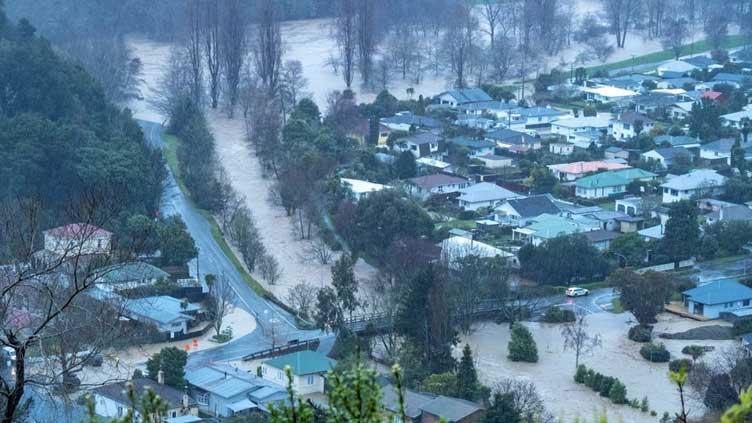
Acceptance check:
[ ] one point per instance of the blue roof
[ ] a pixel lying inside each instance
(719, 292)
(538, 111)
(411, 119)
(734, 77)
(471, 143)
(469, 95)
(303, 362)
(162, 309)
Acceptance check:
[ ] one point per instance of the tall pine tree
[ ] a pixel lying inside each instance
(467, 377)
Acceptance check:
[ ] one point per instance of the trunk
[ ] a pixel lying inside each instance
(16, 394)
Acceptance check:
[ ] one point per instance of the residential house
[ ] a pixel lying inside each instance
(712, 205)
(112, 402)
(435, 184)
(732, 213)
(420, 407)
(498, 109)
(733, 79)
(171, 317)
(610, 183)
(606, 94)
(675, 69)
(719, 150)
(713, 298)
(700, 61)
(626, 125)
(665, 157)
(675, 83)
(714, 96)
(509, 139)
(309, 369)
(631, 206)
(519, 211)
(572, 171)
(539, 117)
(226, 391)
(549, 226)
(493, 161)
(680, 110)
(484, 194)
(476, 147)
(433, 165)
(653, 102)
(459, 97)
(677, 141)
(456, 248)
(404, 121)
(361, 189)
(601, 238)
(702, 182)
(613, 153)
(570, 128)
(421, 144)
(561, 148)
(475, 122)
(77, 239)
(128, 276)
(737, 120)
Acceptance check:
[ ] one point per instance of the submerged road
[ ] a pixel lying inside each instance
(275, 325)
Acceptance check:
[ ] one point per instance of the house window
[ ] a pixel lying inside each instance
(174, 414)
(279, 374)
(674, 192)
(203, 398)
(728, 305)
(309, 379)
(745, 303)
(119, 411)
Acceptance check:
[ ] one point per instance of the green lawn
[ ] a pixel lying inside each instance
(457, 224)
(733, 41)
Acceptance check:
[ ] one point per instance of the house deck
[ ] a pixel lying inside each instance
(679, 309)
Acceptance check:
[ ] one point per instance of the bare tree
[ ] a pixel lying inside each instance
(270, 269)
(655, 10)
(174, 87)
(367, 37)
(577, 338)
(302, 298)
(293, 84)
(675, 32)
(267, 45)
(492, 12)
(220, 300)
(345, 33)
(621, 15)
(244, 234)
(318, 251)
(212, 44)
(459, 39)
(233, 49)
(194, 27)
(526, 398)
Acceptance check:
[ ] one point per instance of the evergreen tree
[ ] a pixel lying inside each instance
(503, 410)
(737, 158)
(522, 345)
(171, 361)
(345, 284)
(405, 166)
(618, 393)
(467, 377)
(682, 233)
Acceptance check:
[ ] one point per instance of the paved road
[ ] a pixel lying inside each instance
(598, 301)
(725, 269)
(212, 260)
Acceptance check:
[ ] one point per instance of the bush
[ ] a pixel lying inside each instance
(618, 393)
(644, 405)
(606, 386)
(522, 345)
(557, 315)
(696, 351)
(656, 353)
(641, 333)
(581, 375)
(676, 365)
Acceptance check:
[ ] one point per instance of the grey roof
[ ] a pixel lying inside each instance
(225, 381)
(719, 292)
(614, 149)
(130, 272)
(451, 409)
(422, 138)
(736, 212)
(695, 179)
(676, 141)
(436, 180)
(680, 82)
(472, 144)
(722, 145)
(407, 118)
(669, 153)
(729, 77)
(487, 105)
(601, 235)
(654, 99)
(162, 309)
(632, 117)
(533, 206)
(511, 137)
(538, 112)
(700, 61)
(414, 401)
(485, 191)
(118, 392)
(468, 95)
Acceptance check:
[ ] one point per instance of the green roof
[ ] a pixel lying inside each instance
(549, 226)
(613, 178)
(303, 362)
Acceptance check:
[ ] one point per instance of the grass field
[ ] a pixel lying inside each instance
(732, 41)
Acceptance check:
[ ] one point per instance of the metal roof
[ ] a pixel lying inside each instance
(225, 384)
(719, 292)
(695, 179)
(303, 362)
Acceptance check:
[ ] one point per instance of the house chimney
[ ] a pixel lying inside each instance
(160, 377)
(186, 400)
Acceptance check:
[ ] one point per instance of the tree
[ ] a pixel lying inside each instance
(440, 384)
(267, 45)
(220, 300)
(212, 45)
(302, 298)
(270, 269)
(292, 85)
(705, 120)
(675, 33)
(562, 259)
(720, 395)
(502, 409)
(345, 33)
(467, 377)
(367, 32)
(680, 380)
(630, 246)
(244, 234)
(460, 38)
(644, 295)
(716, 28)
(682, 232)
(526, 399)
(345, 284)
(193, 50)
(171, 362)
(621, 15)
(175, 243)
(737, 158)
(522, 345)
(234, 46)
(578, 338)
(405, 166)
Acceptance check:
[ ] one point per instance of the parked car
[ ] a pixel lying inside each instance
(577, 292)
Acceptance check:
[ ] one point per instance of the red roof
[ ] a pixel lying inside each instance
(78, 230)
(712, 95)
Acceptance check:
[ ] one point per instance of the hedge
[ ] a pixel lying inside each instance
(606, 386)
(558, 315)
(656, 353)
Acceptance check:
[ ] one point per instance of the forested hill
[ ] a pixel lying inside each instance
(60, 138)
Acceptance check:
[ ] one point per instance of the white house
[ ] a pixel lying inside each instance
(361, 189)
(436, 184)
(463, 96)
(433, 165)
(719, 150)
(736, 120)
(665, 157)
(675, 69)
(624, 127)
(483, 194)
(309, 369)
(111, 400)
(569, 128)
(702, 182)
(458, 247)
(713, 298)
(421, 144)
(493, 161)
(561, 148)
(607, 94)
(517, 212)
(77, 239)
(680, 110)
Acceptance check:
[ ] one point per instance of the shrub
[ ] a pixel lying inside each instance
(596, 383)
(618, 393)
(522, 345)
(557, 315)
(656, 353)
(589, 378)
(605, 387)
(581, 375)
(641, 333)
(676, 365)
(645, 405)
(696, 351)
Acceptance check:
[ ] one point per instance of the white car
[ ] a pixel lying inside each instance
(577, 292)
